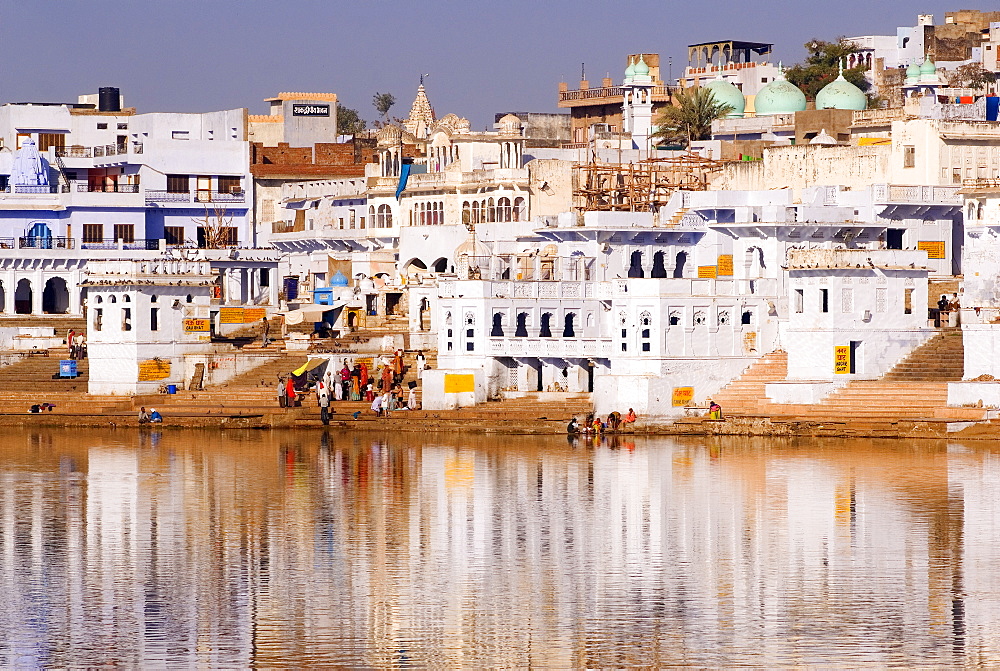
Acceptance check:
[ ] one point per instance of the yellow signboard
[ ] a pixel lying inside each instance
(707, 271)
(841, 359)
(196, 325)
(455, 383)
(253, 315)
(873, 141)
(682, 396)
(934, 248)
(231, 315)
(750, 342)
(725, 265)
(153, 369)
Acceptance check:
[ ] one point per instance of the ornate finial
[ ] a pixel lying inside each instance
(422, 78)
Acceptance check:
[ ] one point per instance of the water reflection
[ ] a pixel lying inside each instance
(393, 550)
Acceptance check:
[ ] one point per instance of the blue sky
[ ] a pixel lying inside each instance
(482, 58)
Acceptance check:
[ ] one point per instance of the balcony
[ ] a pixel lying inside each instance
(84, 187)
(981, 184)
(551, 347)
(111, 243)
(604, 93)
(879, 117)
(37, 242)
(160, 196)
(900, 193)
(33, 189)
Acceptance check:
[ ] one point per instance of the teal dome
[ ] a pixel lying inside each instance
(779, 97)
(338, 280)
(630, 71)
(841, 94)
(928, 68)
(912, 73)
(641, 69)
(726, 93)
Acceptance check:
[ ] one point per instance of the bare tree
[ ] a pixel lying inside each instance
(217, 225)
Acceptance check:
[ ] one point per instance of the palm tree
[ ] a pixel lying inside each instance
(691, 117)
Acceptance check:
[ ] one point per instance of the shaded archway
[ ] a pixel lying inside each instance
(3, 297)
(635, 267)
(658, 268)
(497, 330)
(545, 328)
(23, 296)
(521, 331)
(55, 297)
(569, 331)
(441, 265)
(679, 264)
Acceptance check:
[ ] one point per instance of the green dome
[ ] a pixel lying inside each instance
(726, 93)
(912, 72)
(630, 71)
(641, 69)
(928, 68)
(779, 97)
(841, 94)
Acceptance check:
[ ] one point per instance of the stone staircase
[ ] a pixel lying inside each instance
(745, 395)
(916, 389)
(40, 372)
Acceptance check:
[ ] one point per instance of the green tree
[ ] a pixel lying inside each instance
(822, 65)
(690, 117)
(383, 102)
(349, 122)
(972, 76)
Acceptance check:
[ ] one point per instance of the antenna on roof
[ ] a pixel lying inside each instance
(583, 71)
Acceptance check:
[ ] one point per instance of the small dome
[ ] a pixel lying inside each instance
(928, 68)
(641, 69)
(629, 71)
(338, 280)
(726, 93)
(779, 97)
(823, 138)
(841, 94)
(912, 73)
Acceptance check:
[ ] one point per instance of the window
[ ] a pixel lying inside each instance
(174, 235)
(125, 232)
(189, 299)
(384, 217)
(123, 126)
(824, 300)
(880, 299)
(126, 319)
(847, 300)
(93, 232)
(907, 301)
(230, 185)
(154, 319)
(800, 302)
(46, 140)
(180, 135)
(351, 219)
(178, 183)
(265, 277)
(98, 318)
(102, 126)
(361, 222)
(909, 156)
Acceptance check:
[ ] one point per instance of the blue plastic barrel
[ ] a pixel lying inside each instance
(171, 388)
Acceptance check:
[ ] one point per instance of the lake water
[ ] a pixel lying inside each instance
(392, 550)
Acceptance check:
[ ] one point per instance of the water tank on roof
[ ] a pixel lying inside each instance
(109, 99)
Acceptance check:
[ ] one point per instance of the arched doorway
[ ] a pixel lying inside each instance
(682, 258)
(545, 328)
(23, 296)
(658, 269)
(40, 236)
(521, 329)
(441, 265)
(55, 297)
(569, 331)
(635, 268)
(3, 297)
(425, 314)
(497, 330)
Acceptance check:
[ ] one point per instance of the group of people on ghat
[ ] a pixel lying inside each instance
(76, 343)
(948, 310)
(595, 425)
(382, 388)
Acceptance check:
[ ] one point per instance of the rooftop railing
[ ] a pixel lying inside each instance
(85, 187)
(115, 243)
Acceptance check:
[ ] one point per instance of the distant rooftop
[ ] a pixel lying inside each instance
(729, 51)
